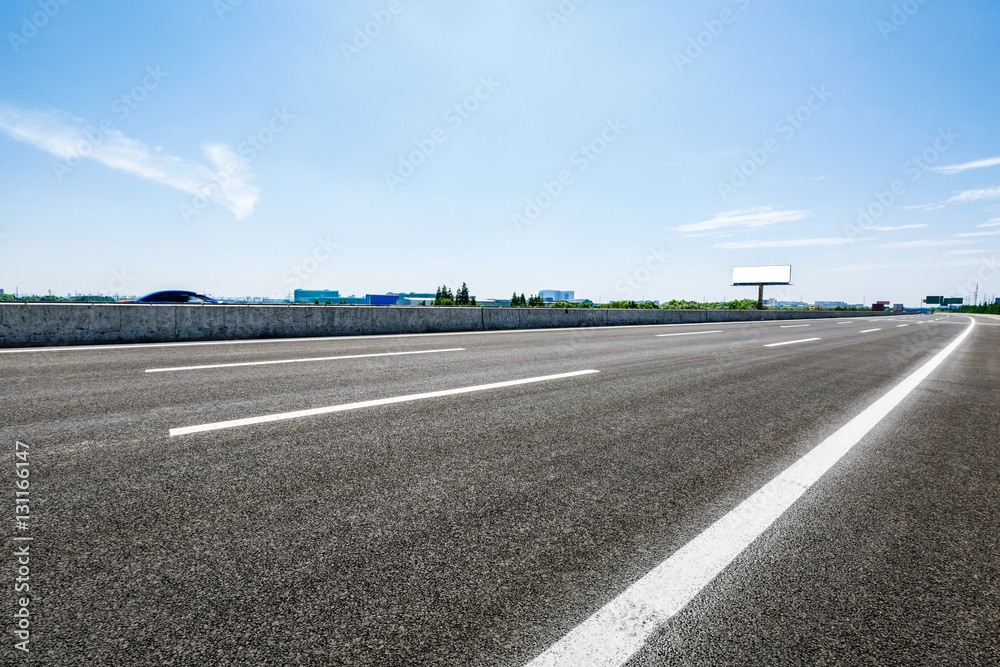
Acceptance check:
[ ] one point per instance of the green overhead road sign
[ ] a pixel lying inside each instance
(956, 301)
(933, 300)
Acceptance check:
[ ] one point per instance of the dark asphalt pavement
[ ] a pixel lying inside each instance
(479, 528)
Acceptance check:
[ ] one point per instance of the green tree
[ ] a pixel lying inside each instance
(444, 297)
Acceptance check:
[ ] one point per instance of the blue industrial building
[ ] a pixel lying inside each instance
(556, 295)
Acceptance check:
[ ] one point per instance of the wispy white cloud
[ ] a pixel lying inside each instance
(788, 243)
(977, 251)
(965, 166)
(894, 229)
(818, 178)
(963, 197)
(226, 182)
(925, 243)
(974, 195)
(995, 222)
(978, 261)
(750, 218)
(965, 234)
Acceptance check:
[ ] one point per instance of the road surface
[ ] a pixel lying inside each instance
(474, 498)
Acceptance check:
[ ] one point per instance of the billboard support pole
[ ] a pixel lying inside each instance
(760, 297)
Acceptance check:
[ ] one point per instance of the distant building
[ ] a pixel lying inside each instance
(771, 303)
(310, 296)
(412, 298)
(556, 295)
(792, 304)
(831, 304)
(414, 295)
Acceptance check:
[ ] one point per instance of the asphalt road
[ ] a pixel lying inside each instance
(479, 527)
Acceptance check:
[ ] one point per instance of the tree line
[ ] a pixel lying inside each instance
(984, 309)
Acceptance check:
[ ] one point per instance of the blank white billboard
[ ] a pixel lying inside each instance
(762, 275)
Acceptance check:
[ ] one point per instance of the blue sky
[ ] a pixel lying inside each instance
(621, 150)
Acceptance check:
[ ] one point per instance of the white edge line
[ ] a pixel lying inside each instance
(215, 426)
(620, 628)
(689, 333)
(793, 326)
(296, 361)
(869, 330)
(792, 342)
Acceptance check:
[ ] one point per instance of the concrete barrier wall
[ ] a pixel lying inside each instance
(38, 324)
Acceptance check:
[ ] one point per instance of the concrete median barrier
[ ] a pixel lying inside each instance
(45, 324)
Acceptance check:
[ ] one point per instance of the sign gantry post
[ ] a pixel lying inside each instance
(758, 276)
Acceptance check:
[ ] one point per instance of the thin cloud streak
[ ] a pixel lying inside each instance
(788, 243)
(963, 197)
(893, 229)
(925, 243)
(965, 234)
(959, 168)
(979, 261)
(750, 218)
(67, 137)
(974, 195)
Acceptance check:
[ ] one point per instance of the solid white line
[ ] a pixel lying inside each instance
(620, 628)
(869, 330)
(792, 342)
(688, 333)
(215, 426)
(296, 361)
(792, 326)
(902, 325)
